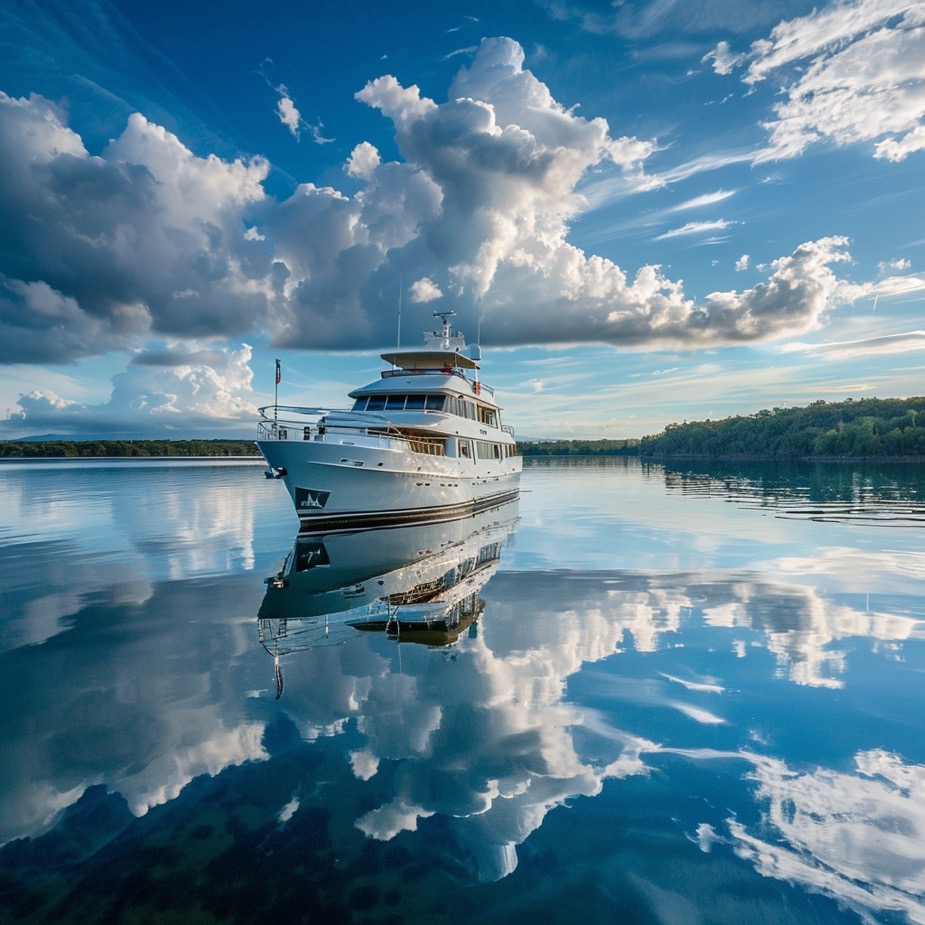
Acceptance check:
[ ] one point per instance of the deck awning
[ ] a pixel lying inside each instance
(429, 359)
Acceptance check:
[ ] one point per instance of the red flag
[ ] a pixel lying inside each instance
(278, 374)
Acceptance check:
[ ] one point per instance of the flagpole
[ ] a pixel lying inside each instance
(276, 393)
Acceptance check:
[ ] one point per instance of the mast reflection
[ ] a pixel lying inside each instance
(416, 583)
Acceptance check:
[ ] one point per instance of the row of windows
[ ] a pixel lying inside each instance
(451, 404)
(486, 450)
(400, 403)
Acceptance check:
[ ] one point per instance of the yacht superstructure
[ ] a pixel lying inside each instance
(425, 441)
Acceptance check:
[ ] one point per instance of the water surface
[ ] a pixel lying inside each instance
(643, 694)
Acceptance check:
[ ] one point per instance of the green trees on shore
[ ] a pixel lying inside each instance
(121, 448)
(866, 427)
(874, 427)
(579, 448)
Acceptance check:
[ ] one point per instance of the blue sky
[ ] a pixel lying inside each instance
(649, 211)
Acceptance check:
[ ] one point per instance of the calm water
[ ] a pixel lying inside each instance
(642, 695)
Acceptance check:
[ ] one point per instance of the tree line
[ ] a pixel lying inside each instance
(866, 427)
(122, 448)
(578, 447)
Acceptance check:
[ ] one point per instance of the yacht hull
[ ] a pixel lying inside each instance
(346, 485)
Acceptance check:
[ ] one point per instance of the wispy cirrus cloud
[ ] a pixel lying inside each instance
(851, 73)
(839, 832)
(707, 199)
(696, 228)
(888, 344)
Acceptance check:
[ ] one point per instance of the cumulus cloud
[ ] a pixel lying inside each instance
(172, 391)
(363, 161)
(424, 290)
(99, 252)
(852, 72)
(147, 239)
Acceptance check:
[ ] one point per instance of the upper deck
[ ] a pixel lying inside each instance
(444, 354)
(441, 348)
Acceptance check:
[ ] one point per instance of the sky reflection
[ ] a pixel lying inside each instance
(757, 711)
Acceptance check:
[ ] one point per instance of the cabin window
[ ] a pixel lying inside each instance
(360, 404)
(394, 402)
(464, 449)
(376, 403)
(430, 446)
(416, 402)
(488, 416)
(467, 409)
(435, 402)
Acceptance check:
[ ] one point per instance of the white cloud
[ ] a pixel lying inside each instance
(797, 295)
(855, 837)
(287, 112)
(173, 391)
(708, 199)
(149, 240)
(724, 60)
(852, 72)
(900, 285)
(145, 238)
(692, 228)
(898, 149)
(363, 161)
(425, 290)
(886, 345)
(743, 262)
(900, 263)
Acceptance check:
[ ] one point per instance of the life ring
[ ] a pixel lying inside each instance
(478, 388)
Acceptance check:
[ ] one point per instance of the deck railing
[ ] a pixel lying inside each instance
(377, 430)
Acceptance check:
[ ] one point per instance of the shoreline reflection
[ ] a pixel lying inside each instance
(885, 494)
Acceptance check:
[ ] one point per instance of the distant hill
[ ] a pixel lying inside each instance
(125, 448)
(867, 427)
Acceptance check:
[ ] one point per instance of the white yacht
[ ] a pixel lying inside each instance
(425, 441)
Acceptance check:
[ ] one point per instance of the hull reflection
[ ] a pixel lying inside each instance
(416, 583)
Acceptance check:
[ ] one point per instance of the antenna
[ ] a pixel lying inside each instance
(401, 286)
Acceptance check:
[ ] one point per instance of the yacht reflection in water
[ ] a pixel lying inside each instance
(416, 583)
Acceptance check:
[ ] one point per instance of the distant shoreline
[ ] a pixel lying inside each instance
(128, 449)
(688, 458)
(10, 460)
(867, 429)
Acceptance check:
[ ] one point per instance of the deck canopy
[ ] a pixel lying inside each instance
(429, 359)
